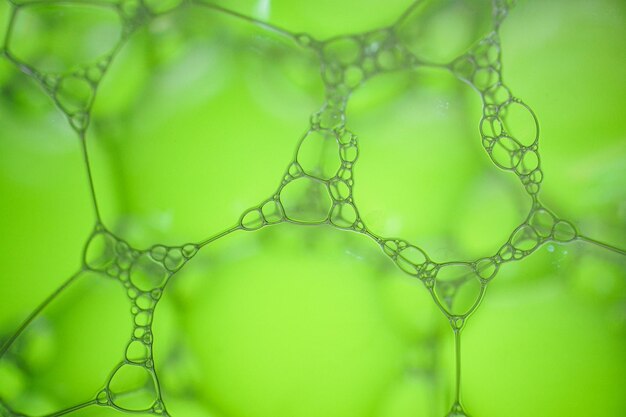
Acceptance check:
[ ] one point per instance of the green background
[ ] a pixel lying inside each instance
(197, 120)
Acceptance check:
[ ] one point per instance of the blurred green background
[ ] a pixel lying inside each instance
(197, 120)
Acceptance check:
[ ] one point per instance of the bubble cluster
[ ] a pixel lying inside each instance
(317, 186)
(133, 385)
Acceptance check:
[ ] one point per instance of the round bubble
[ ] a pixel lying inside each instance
(100, 252)
(147, 274)
(457, 288)
(520, 122)
(132, 388)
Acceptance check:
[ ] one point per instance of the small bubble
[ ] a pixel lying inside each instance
(147, 274)
(457, 288)
(520, 122)
(345, 50)
(349, 153)
(158, 252)
(145, 301)
(491, 127)
(529, 161)
(536, 176)
(506, 252)
(272, 212)
(525, 238)
(295, 170)
(174, 260)
(497, 94)
(464, 68)
(133, 379)
(190, 250)
(132, 293)
(505, 152)
(113, 271)
(369, 66)
(564, 231)
(345, 174)
(410, 258)
(124, 276)
(542, 221)
(100, 251)
(457, 323)
(390, 247)
(102, 398)
(485, 78)
(353, 76)
(486, 268)
(305, 200)
(50, 82)
(143, 318)
(318, 154)
(330, 118)
(74, 94)
(252, 219)
(332, 74)
(391, 58)
(304, 40)
(137, 352)
(532, 188)
(158, 408)
(339, 190)
(79, 121)
(94, 74)
(487, 53)
(343, 215)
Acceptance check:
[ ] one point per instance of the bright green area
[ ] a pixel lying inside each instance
(197, 120)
